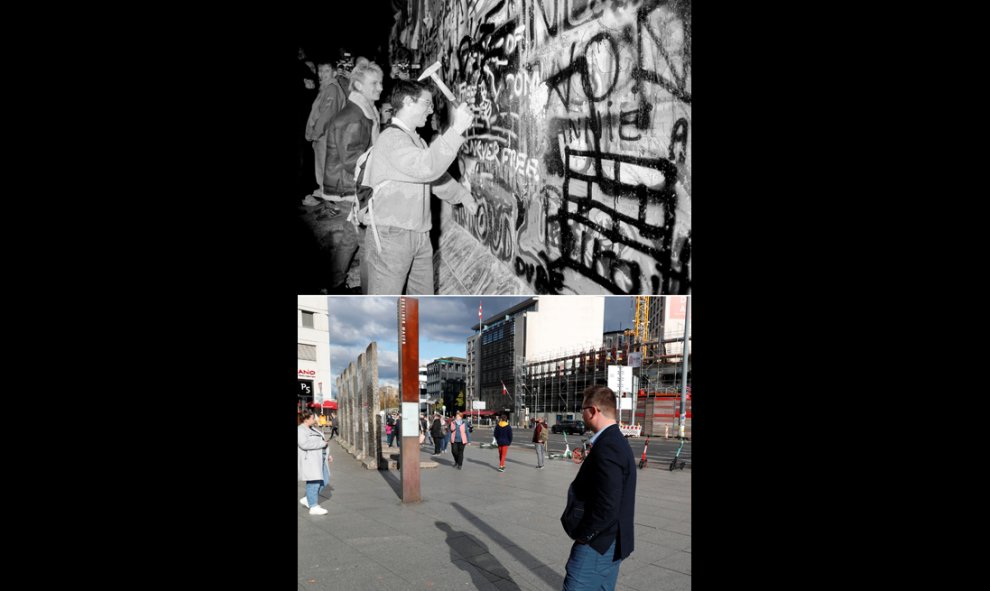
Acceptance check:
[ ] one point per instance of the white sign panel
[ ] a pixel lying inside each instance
(410, 419)
(620, 378)
(478, 405)
(625, 403)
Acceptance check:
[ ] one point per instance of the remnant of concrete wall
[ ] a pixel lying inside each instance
(357, 389)
(580, 149)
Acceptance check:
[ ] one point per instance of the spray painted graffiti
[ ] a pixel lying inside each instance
(580, 149)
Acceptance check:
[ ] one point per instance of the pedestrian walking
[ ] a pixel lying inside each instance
(313, 465)
(540, 438)
(334, 424)
(459, 438)
(601, 499)
(436, 433)
(503, 438)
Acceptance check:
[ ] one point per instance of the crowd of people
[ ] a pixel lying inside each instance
(387, 234)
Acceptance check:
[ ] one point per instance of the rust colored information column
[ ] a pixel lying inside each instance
(409, 383)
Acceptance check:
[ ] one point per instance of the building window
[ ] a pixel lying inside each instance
(307, 352)
(307, 318)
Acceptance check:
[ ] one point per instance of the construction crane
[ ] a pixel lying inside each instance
(641, 322)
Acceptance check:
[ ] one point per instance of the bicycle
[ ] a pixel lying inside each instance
(675, 462)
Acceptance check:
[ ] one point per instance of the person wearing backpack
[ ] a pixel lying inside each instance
(404, 171)
(350, 133)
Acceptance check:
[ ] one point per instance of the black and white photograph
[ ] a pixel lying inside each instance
(498, 147)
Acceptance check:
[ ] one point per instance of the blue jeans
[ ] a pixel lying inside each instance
(315, 487)
(445, 442)
(405, 255)
(587, 570)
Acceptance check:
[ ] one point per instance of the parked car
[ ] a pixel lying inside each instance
(569, 427)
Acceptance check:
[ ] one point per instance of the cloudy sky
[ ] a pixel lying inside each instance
(444, 326)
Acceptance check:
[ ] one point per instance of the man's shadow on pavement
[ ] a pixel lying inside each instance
(551, 578)
(466, 548)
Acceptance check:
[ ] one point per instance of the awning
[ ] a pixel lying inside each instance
(330, 404)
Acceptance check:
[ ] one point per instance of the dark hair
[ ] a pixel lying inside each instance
(306, 414)
(601, 396)
(404, 88)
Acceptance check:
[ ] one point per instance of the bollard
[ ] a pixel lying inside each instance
(666, 431)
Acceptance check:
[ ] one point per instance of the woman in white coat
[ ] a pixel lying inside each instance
(313, 463)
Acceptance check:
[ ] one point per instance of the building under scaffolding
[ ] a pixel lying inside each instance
(553, 387)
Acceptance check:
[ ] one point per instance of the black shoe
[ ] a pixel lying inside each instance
(458, 467)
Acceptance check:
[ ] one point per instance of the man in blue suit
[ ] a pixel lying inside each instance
(605, 489)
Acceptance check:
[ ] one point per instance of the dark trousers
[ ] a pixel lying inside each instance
(458, 450)
(436, 444)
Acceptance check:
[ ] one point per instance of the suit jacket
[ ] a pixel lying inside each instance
(606, 484)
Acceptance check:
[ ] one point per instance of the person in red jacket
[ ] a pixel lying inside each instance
(503, 437)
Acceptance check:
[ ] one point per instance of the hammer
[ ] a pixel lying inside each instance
(432, 72)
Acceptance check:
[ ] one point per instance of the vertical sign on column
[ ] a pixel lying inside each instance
(408, 311)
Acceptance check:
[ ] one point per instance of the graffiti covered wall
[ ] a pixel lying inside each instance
(580, 150)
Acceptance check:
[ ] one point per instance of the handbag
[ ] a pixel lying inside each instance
(494, 442)
(422, 438)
